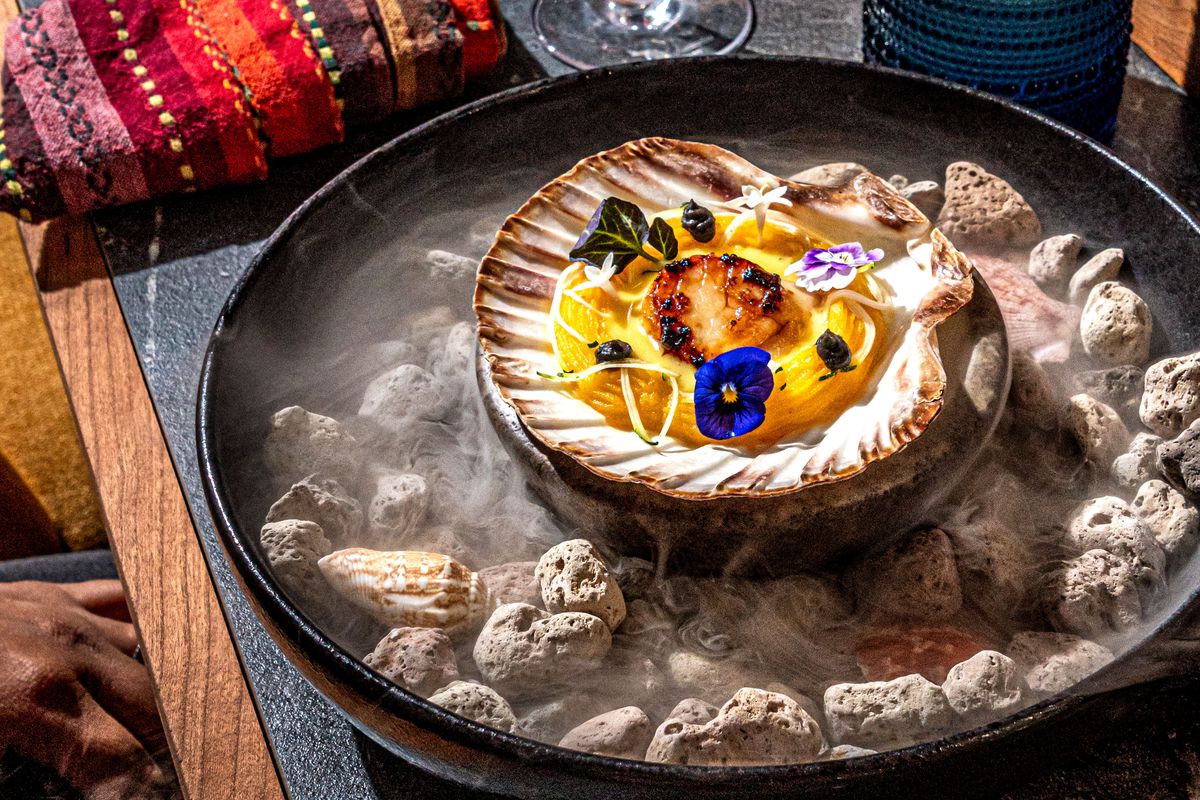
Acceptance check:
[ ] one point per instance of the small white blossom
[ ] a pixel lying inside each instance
(600, 277)
(755, 202)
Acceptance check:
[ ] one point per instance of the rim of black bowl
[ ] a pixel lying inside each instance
(331, 657)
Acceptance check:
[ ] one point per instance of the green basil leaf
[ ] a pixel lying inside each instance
(662, 239)
(618, 227)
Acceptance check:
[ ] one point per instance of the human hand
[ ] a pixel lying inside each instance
(71, 696)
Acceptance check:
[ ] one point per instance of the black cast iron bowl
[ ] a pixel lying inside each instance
(285, 328)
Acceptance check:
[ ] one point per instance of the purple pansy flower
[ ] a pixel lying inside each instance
(731, 392)
(824, 269)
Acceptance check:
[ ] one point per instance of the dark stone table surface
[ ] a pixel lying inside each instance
(174, 262)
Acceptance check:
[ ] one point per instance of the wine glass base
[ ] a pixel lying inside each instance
(576, 34)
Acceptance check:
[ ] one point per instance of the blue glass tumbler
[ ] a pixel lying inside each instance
(1065, 58)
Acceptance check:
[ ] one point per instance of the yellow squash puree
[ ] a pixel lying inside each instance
(805, 401)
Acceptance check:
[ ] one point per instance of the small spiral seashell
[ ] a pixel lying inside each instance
(408, 588)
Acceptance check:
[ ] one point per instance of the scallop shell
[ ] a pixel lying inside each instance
(929, 278)
(408, 588)
(1036, 322)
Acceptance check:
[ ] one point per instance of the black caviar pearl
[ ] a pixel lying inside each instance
(833, 350)
(699, 222)
(613, 350)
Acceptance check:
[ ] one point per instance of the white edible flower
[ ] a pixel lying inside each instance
(600, 277)
(755, 201)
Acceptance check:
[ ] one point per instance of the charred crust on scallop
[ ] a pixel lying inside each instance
(703, 305)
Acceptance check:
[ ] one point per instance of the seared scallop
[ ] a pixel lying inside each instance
(704, 305)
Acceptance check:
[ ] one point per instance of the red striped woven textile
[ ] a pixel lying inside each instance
(112, 101)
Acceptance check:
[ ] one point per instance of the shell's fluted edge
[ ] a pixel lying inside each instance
(515, 285)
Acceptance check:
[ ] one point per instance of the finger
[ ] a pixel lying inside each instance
(95, 754)
(103, 601)
(105, 598)
(120, 635)
(122, 687)
(35, 592)
(74, 626)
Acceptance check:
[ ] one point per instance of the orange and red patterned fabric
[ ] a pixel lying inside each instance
(111, 101)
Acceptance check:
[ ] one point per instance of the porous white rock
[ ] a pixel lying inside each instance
(898, 181)
(1179, 460)
(1171, 400)
(835, 173)
(1053, 662)
(323, 501)
(1052, 261)
(1095, 594)
(477, 702)
(1116, 324)
(983, 209)
(810, 706)
(712, 679)
(988, 357)
(620, 733)
(996, 565)
(1033, 394)
(1104, 266)
(1098, 429)
(423, 326)
(754, 727)
(985, 687)
(1139, 463)
(1173, 519)
(1119, 387)
(886, 714)
(915, 578)
(574, 577)
(358, 367)
(404, 393)
(301, 443)
(293, 548)
(1108, 523)
(523, 650)
(419, 659)
(549, 719)
(441, 539)
(513, 582)
(452, 364)
(693, 710)
(927, 196)
(444, 265)
(398, 506)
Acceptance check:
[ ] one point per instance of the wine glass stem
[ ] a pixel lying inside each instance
(639, 15)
